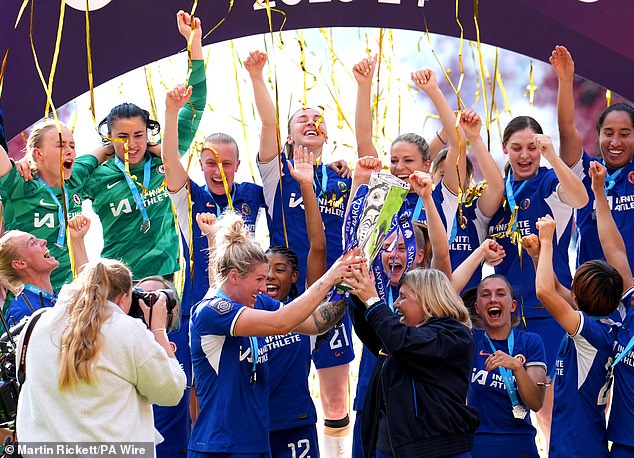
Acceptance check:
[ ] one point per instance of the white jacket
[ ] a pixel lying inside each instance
(132, 372)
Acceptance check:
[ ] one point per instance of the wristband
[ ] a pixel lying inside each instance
(369, 303)
(158, 330)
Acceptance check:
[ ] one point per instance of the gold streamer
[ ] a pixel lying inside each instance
(269, 10)
(91, 84)
(190, 40)
(507, 104)
(378, 82)
(221, 20)
(22, 8)
(150, 89)
(244, 126)
(531, 88)
(608, 94)
(58, 42)
(126, 162)
(2, 69)
(388, 64)
(267, 6)
(49, 100)
(476, 22)
(433, 52)
(223, 176)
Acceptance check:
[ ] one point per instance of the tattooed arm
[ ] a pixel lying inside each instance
(323, 318)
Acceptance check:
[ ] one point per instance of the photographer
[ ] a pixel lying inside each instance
(92, 371)
(174, 422)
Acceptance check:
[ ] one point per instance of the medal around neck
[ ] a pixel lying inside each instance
(372, 214)
(519, 412)
(145, 226)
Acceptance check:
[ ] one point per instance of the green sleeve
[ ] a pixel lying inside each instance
(190, 115)
(82, 168)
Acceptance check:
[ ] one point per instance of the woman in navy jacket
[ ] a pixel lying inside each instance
(416, 400)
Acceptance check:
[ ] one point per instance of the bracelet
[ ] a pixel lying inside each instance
(158, 330)
(440, 138)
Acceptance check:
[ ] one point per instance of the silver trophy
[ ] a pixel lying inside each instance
(383, 200)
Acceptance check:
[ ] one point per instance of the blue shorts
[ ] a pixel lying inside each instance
(335, 347)
(295, 442)
(174, 423)
(504, 445)
(551, 333)
(621, 451)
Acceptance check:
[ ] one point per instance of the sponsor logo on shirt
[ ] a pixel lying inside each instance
(122, 207)
(76, 199)
(112, 185)
(160, 169)
(48, 220)
(43, 203)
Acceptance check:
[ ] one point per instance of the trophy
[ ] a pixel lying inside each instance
(372, 213)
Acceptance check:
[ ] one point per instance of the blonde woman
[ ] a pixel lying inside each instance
(415, 405)
(92, 371)
(26, 265)
(37, 205)
(230, 354)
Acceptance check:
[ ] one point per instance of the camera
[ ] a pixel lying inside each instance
(150, 298)
(9, 387)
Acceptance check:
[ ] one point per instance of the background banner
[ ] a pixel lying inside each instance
(127, 34)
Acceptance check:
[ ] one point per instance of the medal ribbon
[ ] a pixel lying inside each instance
(324, 180)
(219, 210)
(45, 294)
(610, 178)
(418, 209)
(510, 198)
(61, 234)
(625, 351)
(138, 200)
(507, 374)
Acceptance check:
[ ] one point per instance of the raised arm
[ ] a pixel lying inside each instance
(609, 235)
(298, 315)
(362, 172)
(175, 174)
(489, 251)
(492, 196)
(78, 228)
(207, 224)
(571, 190)
(426, 80)
(422, 183)
(364, 72)
(530, 243)
(269, 147)
(570, 147)
(191, 113)
(303, 172)
(545, 286)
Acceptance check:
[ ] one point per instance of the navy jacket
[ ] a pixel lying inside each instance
(416, 400)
